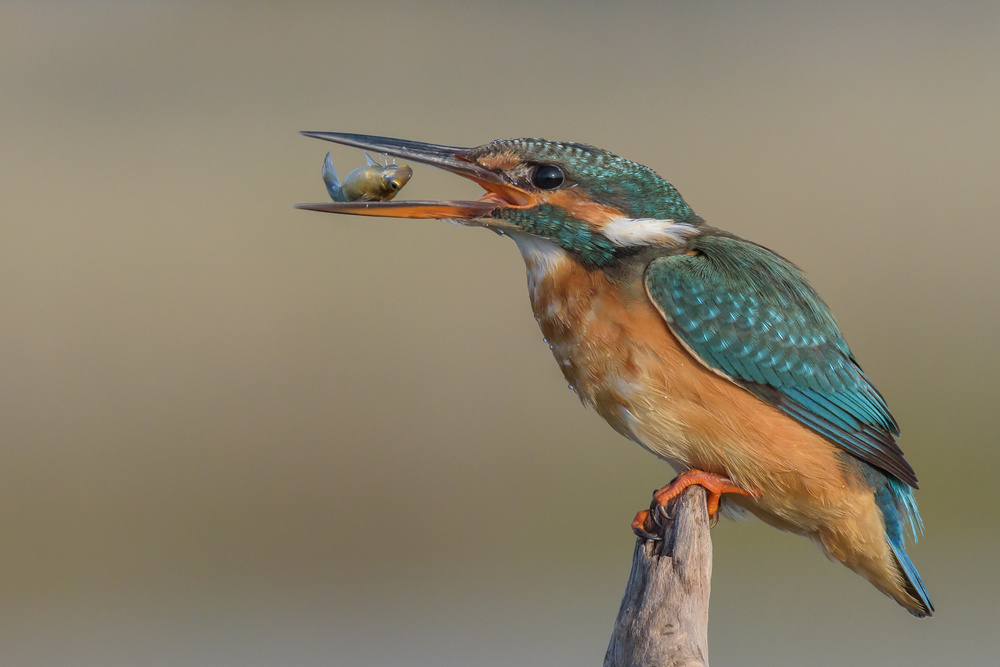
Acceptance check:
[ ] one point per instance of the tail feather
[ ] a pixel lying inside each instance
(906, 507)
(899, 511)
(914, 585)
(333, 185)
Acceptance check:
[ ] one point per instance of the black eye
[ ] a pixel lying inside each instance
(547, 177)
(394, 185)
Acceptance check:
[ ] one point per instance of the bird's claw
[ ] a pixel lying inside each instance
(714, 484)
(646, 536)
(639, 526)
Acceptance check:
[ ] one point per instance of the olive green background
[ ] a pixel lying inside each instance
(234, 433)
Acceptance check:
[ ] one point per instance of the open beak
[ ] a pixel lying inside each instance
(499, 193)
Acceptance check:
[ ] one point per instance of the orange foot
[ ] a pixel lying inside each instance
(716, 485)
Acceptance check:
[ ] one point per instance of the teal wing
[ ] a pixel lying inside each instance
(750, 315)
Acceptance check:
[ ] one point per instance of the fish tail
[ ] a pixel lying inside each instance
(895, 499)
(333, 185)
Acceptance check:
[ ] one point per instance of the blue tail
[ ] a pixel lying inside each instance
(332, 181)
(914, 584)
(895, 499)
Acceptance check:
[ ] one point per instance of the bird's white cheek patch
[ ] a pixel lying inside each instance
(646, 231)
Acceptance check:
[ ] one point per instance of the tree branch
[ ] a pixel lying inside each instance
(663, 620)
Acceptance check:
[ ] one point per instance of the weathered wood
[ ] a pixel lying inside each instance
(663, 620)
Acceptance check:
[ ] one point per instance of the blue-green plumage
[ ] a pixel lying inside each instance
(899, 511)
(749, 313)
(568, 232)
(608, 178)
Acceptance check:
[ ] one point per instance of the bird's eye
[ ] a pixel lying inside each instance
(547, 177)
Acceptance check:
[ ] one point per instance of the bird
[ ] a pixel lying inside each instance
(712, 352)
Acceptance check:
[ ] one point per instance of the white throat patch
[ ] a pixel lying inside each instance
(541, 256)
(646, 231)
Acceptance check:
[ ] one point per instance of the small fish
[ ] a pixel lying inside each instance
(373, 182)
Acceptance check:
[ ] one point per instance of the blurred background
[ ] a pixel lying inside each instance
(234, 433)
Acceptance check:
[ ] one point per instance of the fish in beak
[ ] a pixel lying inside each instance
(500, 193)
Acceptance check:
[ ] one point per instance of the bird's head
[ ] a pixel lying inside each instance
(583, 199)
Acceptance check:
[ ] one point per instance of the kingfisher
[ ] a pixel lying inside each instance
(710, 351)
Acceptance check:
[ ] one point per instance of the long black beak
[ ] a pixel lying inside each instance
(449, 158)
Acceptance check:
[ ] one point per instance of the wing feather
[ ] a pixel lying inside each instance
(749, 314)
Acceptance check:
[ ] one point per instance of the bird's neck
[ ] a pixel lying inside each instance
(561, 230)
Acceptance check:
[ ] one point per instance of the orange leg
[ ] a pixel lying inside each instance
(716, 485)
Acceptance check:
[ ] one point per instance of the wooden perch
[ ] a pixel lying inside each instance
(663, 620)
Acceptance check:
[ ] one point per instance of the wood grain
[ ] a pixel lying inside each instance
(663, 620)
